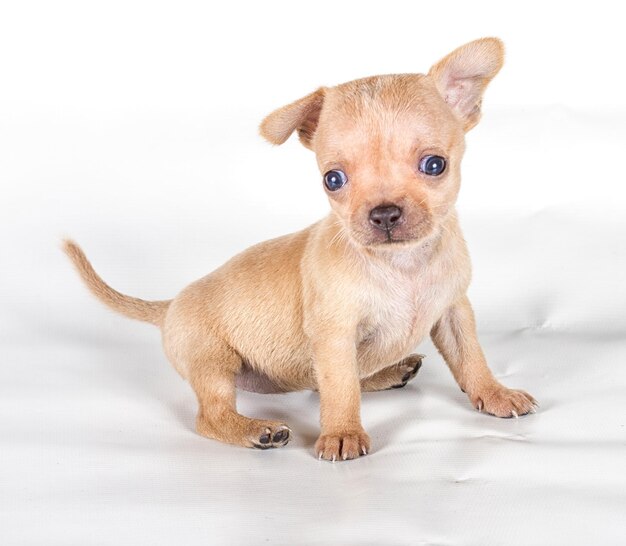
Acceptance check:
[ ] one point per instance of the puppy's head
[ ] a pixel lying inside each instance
(389, 148)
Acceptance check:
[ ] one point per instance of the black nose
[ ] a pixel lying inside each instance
(385, 217)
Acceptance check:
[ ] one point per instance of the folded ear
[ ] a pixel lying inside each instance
(462, 76)
(301, 115)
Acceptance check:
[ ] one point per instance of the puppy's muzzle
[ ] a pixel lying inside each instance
(385, 217)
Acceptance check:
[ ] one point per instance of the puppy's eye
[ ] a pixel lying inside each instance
(432, 165)
(335, 180)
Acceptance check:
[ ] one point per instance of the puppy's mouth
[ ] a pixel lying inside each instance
(401, 235)
(388, 238)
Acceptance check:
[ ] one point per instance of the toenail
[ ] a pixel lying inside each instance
(281, 436)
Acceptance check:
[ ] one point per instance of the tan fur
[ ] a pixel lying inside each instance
(339, 306)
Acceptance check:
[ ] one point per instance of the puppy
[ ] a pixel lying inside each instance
(339, 306)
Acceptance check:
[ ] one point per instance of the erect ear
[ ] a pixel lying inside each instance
(462, 76)
(301, 115)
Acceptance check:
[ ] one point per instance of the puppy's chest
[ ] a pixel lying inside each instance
(400, 307)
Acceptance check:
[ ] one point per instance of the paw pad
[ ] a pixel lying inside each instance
(273, 438)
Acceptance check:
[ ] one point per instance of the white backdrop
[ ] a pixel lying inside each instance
(132, 127)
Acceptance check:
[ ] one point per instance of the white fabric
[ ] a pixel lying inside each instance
(96, 429)
(97, 443)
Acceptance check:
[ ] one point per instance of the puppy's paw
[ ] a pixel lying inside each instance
(407, 370)
(503, 402)
(395, 376)
(342, 446)
(269, 434)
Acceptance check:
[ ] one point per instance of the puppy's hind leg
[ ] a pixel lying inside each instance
(212, 373)
(395, 376)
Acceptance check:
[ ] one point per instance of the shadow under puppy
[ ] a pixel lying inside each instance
(338, 306)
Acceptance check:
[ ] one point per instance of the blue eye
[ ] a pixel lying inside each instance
(335, 180)
(432, 165)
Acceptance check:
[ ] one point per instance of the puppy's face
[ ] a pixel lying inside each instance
(389, 151)
(389, 148)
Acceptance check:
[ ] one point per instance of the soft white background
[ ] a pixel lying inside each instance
(132, 127)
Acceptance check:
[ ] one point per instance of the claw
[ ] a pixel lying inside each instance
(364, 450)
(345, 457)
(320, 456)
(334, 458)
(514, 414)
(479, 407)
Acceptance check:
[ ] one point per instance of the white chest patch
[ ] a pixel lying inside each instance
(400, 304)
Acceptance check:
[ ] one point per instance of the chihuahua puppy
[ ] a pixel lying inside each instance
(339, 306)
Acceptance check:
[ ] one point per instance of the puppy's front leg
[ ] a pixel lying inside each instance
(342, 434)
(455, 337)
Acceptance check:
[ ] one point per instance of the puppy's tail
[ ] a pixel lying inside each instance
(147, 311)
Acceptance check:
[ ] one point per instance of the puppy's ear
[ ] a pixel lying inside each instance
(462, 76)
(301, 115)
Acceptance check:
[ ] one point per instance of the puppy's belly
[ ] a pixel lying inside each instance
(254, 381)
